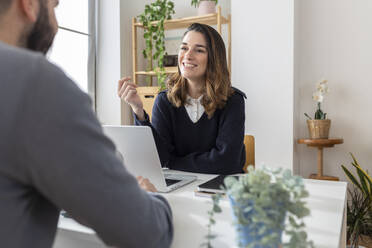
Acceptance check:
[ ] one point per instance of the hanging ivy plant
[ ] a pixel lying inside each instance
(159, 11)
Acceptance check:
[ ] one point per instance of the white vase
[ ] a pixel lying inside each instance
(206, 7)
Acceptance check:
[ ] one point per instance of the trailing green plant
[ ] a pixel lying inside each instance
(158, 11)
(195, 3)
(359, 206)
(318, 96)
(263, 199)
(211, 221)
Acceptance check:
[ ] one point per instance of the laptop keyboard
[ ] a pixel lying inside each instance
(169, 182)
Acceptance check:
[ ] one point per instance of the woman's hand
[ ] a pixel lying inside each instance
(127, 91)
(145, 184)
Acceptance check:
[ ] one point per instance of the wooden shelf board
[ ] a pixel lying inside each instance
(210, 19)
(321, 142)
(144, 90)
(168, 70)
(329, 178)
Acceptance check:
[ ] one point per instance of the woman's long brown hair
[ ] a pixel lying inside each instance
(217, 88)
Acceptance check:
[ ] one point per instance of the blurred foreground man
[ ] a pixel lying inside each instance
(53, 154)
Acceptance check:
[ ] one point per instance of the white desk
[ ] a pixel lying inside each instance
(326, 225)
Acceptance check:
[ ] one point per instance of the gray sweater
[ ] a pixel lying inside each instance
(53, 155)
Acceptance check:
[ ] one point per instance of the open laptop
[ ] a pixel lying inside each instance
(137, 148)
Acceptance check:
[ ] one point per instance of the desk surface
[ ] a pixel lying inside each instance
(325, 225)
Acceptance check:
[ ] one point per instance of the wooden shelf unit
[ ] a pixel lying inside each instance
(168, 70)
(210, 19)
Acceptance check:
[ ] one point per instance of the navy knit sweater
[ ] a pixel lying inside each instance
(208, 146)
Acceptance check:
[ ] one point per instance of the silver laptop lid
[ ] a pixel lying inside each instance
(137, 147)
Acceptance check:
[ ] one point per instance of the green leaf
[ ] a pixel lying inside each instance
(307, 116)
(318, 115)
(363, 176)
(356, 164)
(351, 177)
(365, 189)
(217, 209)
(211, 236)
(354, 159)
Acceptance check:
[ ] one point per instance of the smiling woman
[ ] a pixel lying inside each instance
(198, 122)
(202, 69)
(193, 57)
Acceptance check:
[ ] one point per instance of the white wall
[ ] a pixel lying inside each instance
(262, 66)
(108, 61)
(283, 49)
(128, 10)
(296, 89)
(335, 39)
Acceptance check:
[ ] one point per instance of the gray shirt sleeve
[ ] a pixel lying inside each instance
(72, 164)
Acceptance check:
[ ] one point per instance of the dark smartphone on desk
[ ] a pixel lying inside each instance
(214, 185)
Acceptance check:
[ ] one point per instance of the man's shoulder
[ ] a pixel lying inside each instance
(22, 65)
(11, 55)
(15, 58)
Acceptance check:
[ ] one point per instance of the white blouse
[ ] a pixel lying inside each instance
(194, 108)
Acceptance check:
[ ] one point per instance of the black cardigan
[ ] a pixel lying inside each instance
(212, 146)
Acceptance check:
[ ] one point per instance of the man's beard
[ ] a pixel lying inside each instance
(41, 36)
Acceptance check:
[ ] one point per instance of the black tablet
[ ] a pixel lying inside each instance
(214, 185)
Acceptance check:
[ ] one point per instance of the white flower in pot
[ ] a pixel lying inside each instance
(320, 125)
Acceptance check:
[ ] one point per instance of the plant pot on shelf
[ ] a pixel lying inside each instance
(206, 7)
(170, 60)
(319, 129)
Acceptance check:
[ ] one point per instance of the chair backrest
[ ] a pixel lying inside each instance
(148, 96)
(249, 151)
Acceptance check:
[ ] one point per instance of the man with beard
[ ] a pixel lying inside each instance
(53, 154)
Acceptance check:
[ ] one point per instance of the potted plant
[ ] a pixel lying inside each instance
(359, 206)
(159, 11)
(263, 201)
(320, 125)
(205, 6)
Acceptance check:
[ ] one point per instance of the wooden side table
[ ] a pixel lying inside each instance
(320, 144)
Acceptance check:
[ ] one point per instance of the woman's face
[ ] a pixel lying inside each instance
(193, 57)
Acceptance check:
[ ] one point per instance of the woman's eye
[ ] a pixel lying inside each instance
(183, 48)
